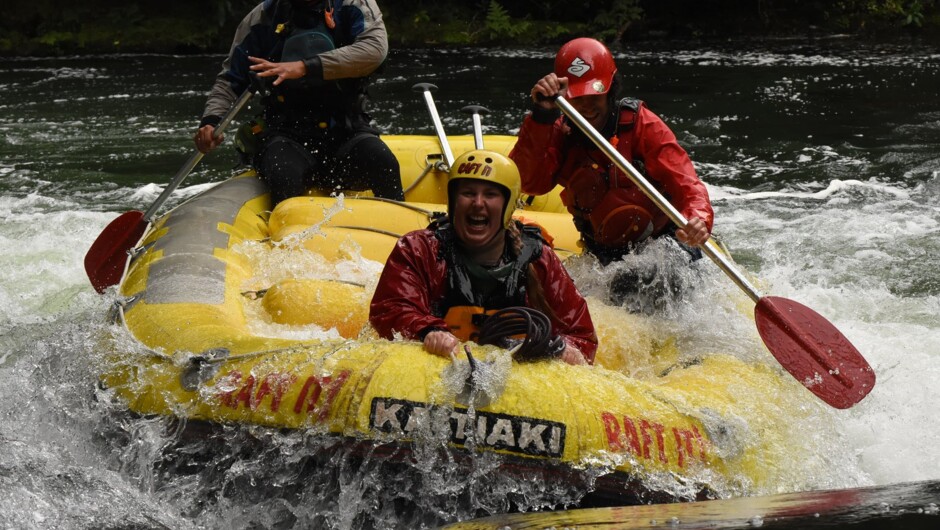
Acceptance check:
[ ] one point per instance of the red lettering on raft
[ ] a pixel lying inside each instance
(650, 436)
(240, 393)
(314, 386)
(316, 396)
(658, 428)
(684, 442)
(274, 385)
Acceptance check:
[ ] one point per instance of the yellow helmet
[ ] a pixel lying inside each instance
(488, 166)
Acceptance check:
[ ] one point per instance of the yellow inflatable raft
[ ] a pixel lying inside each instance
(249, 316)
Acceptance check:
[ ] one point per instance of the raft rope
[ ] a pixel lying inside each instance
(367, 229)
(423, 174)
(260, 293)
(403, 204)
(504, 327)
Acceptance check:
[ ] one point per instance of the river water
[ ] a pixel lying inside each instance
(821, 157)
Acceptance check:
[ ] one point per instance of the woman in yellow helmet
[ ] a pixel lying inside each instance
(440, 284)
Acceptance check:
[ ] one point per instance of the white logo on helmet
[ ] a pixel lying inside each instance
(578, 67)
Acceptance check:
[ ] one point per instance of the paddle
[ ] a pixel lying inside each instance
(476, 111)
(803, 342)
(425, 89)
(105, 260)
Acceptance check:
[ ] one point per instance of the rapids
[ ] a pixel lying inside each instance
(821, 158)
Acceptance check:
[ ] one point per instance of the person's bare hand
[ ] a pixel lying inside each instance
(283, 71)
(694, 233)
(548, 87)
(204, 139)
(441, 343)
(572, 355)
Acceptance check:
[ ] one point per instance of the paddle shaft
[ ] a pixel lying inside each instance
(425, 89)
(477, 131)
(477, 111)
(187, 168)
(709, 248)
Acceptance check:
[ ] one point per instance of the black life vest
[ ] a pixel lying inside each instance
(474, 291)
(310, 105)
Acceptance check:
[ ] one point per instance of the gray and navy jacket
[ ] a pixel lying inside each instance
(361, 47)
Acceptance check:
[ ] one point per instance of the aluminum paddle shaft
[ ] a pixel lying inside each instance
(425, 89)
(194, 159)
(106, 259)
(710, 249)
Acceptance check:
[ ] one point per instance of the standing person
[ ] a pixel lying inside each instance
(613, 216)
(439, 283)
(315, 130)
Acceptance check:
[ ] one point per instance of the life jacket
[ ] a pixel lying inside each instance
(608, 208)
(311, 106)
(474, 292)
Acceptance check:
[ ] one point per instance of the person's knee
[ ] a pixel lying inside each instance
(371, 151)
(377, 167)
(285, 167)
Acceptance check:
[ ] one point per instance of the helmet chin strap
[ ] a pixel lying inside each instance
(609, 128)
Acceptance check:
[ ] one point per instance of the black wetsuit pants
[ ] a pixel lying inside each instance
(291, 166)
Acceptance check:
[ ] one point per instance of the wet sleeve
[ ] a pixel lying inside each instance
(402, 300)
(573, 318)
(669, 164)
(234, 78)
(362, 19)
(537, 154)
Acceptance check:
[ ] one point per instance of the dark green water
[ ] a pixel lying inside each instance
(785, 115)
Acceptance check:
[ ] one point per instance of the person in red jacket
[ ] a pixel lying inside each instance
(441, 284)
(613, 216)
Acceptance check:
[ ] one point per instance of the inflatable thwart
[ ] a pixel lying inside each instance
(246, 315)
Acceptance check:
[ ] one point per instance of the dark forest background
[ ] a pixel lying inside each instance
(55, 27)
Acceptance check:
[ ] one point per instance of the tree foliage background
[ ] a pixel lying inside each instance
(185, 26)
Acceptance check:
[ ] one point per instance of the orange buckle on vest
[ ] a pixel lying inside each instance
(328, 18)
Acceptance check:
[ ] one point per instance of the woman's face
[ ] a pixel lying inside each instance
(478, 212)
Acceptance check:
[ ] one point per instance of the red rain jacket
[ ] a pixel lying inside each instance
(414, 281)
(548, 154)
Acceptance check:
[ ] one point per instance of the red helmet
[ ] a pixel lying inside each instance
(588, 65)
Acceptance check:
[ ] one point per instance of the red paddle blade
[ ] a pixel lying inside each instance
(104, 262)
(814, 351)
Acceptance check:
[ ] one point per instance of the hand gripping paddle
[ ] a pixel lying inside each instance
(803, 341)
(105, 260)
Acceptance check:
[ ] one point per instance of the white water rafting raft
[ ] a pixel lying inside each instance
(240, 314)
